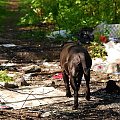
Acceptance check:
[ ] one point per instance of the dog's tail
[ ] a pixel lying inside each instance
(83, 62)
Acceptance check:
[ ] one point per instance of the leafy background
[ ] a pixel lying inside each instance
(37, 18)
(69, 14)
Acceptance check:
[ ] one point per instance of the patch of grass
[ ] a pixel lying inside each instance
(4, 2)
(4, 77)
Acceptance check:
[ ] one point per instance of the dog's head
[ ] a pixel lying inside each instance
(85, 35)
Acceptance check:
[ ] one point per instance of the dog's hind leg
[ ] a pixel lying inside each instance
(73, 82)
(79, 77)
(87, 78)
(66, 81)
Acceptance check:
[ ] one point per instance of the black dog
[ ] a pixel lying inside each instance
(85, 35)
(75, 61)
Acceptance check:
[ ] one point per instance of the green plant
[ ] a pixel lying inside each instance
(70, 14)
(4, 77)
(97, 50)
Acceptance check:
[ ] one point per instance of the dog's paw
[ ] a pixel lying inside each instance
(68, 95)
(87, 97)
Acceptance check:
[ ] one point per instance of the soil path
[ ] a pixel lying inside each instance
(26, 50)
(102, 106)
(10, 23)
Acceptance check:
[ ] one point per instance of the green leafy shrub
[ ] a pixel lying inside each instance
(71, 14)
(4, 77)
(97, 50)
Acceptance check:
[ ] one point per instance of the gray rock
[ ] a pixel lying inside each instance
(46, 114)
(32, 68)
(21, 82)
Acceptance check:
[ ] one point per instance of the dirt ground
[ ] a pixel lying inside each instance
(102, 106)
